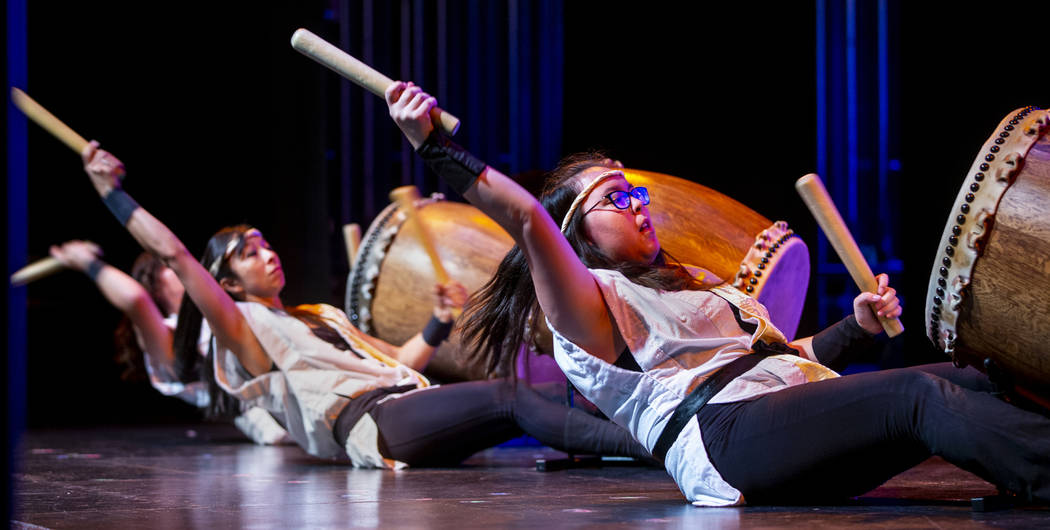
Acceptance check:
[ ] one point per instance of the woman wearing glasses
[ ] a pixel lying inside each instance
(697, 373)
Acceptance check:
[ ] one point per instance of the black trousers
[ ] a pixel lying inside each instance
(445, 425)
(842, 437)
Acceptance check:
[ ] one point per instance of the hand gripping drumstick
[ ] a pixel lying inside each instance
(48, 121)
(819, 202)
(344, 64)
(34, 271)
(406, 197)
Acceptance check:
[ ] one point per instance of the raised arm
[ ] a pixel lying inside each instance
(126, 294)
(566, 290)
(417, 350)
(225, 320)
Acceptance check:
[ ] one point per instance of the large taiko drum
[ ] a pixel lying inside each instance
(987, 302)
(388, 289)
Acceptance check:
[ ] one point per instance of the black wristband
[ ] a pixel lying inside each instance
(452, 163)
(844, 336)
(120, 204)
(436, 331)
(94, 268)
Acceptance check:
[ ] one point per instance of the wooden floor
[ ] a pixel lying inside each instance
(207, 476)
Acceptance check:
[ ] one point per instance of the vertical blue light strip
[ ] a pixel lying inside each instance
(513, 86)
(442, 66)
(886, 238)
(472, 134)
(525, 157)
(549, 37)
(346, 154)
(851, 112)
(368, 143)
(822, 147)
(419, 48)
(17, 246)
(822, 92)
(405, 72)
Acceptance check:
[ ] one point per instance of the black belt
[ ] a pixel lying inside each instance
(707, 390)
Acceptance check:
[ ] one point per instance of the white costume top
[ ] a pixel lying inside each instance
(678, 339)
(255, 423)
(314, 380)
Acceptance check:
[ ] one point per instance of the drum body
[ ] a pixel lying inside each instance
(388, 290)
(987, 302)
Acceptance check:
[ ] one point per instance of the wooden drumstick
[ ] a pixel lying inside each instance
(346, 65)
(48, 121)
(406, 197)
(34, 271)
(819, 202)
(352, 238)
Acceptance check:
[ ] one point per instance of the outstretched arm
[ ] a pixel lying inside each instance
(856, 332)
(126, 294)
(566, 290)
(225, 320)
(417, 351)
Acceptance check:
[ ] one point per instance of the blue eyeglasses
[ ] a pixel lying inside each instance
(622, 199)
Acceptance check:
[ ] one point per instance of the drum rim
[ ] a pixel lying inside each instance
(993, 172)
(752, 274)
(361, 281)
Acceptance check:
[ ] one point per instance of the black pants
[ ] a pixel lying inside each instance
(841, 437)
(444, 425)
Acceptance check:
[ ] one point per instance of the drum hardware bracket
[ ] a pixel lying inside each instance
(1001, 381)
(1003, 500)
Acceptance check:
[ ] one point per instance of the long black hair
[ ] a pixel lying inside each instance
(146, 270)
(189, 365)
(505, 315)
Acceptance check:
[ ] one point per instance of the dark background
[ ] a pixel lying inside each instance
(219, 121)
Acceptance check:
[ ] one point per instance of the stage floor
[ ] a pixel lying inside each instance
(207, 476)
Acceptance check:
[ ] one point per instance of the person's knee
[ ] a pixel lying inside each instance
(913, 383)
(905, 393)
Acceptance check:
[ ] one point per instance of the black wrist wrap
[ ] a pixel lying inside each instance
(120, 204)
(452, 163)
(843, 336)
(436, 331)
(93, 269)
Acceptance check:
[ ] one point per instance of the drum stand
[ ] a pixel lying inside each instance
(1003, 500)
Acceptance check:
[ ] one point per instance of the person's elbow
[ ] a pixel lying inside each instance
(134, 302)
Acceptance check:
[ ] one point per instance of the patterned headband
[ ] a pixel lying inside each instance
(230, 247)
(583, 194)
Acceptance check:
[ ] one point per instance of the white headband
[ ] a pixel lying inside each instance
(230, 247)
(583, 194)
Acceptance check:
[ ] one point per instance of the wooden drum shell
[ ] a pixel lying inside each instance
(392, 298)
(1001, 310)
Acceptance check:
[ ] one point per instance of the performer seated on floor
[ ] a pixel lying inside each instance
(636, 335)
(150, 299)
(339, 392)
